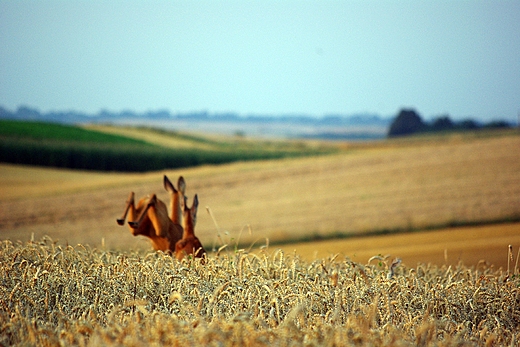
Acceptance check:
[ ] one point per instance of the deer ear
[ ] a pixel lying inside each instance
(181, 184)
(184, 203)
(195, 205)
(168, 185)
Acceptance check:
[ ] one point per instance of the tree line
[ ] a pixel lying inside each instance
(408, 122)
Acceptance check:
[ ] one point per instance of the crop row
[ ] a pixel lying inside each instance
(126, 158)
(65, 146)
(41, 131)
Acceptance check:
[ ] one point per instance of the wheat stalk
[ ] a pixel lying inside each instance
(54, 295)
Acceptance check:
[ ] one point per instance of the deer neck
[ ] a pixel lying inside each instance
(189, 227)
(176, 209)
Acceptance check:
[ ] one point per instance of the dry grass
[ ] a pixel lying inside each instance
(149, 136)
(20, 182)
(52, 295)
(470, 245)
(365, 190)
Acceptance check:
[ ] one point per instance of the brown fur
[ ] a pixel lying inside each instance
(189, 244)
(176, 198)
(150, 219)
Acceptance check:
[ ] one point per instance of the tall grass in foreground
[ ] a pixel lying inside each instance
(51, 295)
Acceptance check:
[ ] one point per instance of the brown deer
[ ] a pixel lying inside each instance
(189, 244)
(176, 198)
(150, 219)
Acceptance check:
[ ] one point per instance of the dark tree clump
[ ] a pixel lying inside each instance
(442, 123)
(407, 122)
(468, 124)
(497, 124)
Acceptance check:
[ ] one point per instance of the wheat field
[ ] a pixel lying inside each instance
(84, 281)
(78, 296)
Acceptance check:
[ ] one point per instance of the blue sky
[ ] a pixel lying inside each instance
(263, 57)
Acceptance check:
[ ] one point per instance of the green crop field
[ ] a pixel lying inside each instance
(55, 145)
(41, 131)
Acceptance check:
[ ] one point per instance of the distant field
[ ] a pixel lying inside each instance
(104, 148)
(383, 187)
(41, 131)
(447, 246)
(206, 141)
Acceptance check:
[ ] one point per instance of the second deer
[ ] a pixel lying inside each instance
(189, 244)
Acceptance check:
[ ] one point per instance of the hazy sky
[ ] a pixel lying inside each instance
(263, 57)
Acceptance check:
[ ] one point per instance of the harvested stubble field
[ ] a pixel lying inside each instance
(389, 187)
(52, 295)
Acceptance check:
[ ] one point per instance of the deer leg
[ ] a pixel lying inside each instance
(168, 186)
(176, 198)
(158, 215)
(129, 202)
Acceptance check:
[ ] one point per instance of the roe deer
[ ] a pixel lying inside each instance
(150, 219)
(176, 198)
(189, 244)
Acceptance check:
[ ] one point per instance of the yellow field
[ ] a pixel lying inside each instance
(53, 295)
(384, 186)
(112, 290)
(149, 136)
(470, 245)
